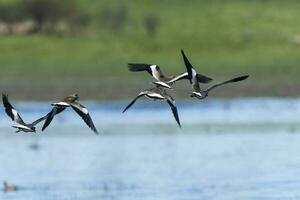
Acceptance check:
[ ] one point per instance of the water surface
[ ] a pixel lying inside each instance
(227, 149)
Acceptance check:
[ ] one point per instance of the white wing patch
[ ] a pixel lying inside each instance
(21, 126)
(84, 110)
(61, 104)
(155, 73)
(153, 67)
(197, 94)
(81, 108)
(155, 95)
(178, 77)
(194, 73)
(162, 84)
(194, 78)
(15, 113)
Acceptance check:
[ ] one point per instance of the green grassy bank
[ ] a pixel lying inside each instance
(221, 38)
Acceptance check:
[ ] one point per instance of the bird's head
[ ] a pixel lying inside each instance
(75, 96)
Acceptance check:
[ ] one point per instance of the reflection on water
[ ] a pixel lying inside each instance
(227, 149)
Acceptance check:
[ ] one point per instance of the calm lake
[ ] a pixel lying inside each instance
(236, 149)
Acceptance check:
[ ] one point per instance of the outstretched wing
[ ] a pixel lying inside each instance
(137, 67)
(133, 101)
(188, 66)
(84, 114)
(38, 120)
(190, 70)
(55, 110)
(179, 77)
(10, 110)
(174, 111)
(203, 79)
(237, 79)
(162, 84)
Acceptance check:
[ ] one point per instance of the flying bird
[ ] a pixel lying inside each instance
(193, 77)
(204, 93)
(20, 125)
(157, 93)
(162, 80)
(70, 101)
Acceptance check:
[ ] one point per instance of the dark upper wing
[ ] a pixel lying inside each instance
(10, 111)
(203, 79)
(175, 112)
(188, 66)
(84, 114)
(137, 67)
(39, 120)
(55, 110)
(200, 78)
(237, 79)
(133, 101)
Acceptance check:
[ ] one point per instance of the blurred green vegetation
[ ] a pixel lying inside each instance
(221, 38)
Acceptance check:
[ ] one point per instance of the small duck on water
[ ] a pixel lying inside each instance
(9, 187)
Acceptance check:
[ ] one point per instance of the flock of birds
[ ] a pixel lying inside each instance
(157, 92)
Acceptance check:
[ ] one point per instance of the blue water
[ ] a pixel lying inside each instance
(227, 149)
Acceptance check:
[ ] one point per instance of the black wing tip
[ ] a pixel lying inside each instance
(178, 121)
(135, 67)
(175, 112)
(125, 109)
(246, 76)
(95, 131)
(179, 125)
(183, 55)
(241, 78)
(4, 96)
(5, 101)
(188, 66)
(131, 66)
(44, 128)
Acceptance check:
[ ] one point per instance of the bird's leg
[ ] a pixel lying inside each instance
(17, 131)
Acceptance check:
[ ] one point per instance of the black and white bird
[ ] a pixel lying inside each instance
(162, 80)
(157, 93)
(194, 80)
(20, 125)
(70, 101)
(204, 93)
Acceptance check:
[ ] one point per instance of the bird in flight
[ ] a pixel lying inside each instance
(157, 93)
(20, 125)
(70, 101)
(162, 80)
(193, 77)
